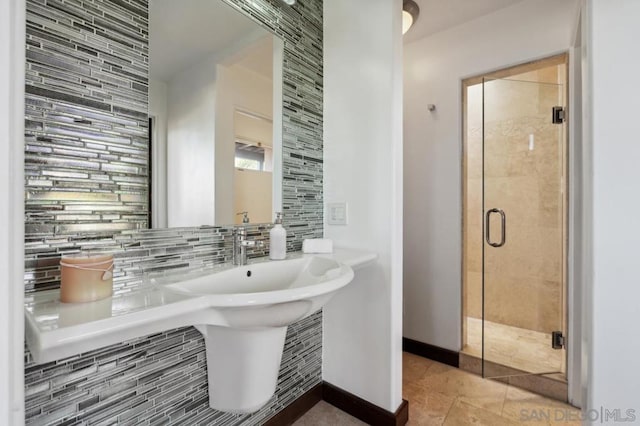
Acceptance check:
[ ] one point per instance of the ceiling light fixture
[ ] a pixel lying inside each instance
(410, 12)
(290, 2)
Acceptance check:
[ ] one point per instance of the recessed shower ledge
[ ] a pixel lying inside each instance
(241, 320)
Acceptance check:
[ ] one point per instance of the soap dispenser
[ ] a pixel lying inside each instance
(278, 240)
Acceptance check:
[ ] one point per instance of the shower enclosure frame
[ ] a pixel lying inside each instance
(506, 73)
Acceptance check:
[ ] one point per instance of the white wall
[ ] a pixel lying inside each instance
(614, 66)
(12, 59)
(363, 166)
(158, 94)
(433, 70)
(191, 146)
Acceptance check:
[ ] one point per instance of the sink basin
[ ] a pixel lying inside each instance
(244, 323)
(269, 281)
(267, 294)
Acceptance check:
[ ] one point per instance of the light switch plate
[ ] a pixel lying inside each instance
(337, 213)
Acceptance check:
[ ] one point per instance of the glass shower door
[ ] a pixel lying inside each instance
(524, 228)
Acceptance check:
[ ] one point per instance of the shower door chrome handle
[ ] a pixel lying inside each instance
(503, 221)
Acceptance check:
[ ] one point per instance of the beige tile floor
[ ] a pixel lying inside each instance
(443, 395)
(327, 415)
(514, 347)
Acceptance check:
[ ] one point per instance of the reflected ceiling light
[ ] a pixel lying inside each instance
(290, 2)
(410, 12)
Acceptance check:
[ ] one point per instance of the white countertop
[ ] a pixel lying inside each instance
(355, 258)
(56, 330)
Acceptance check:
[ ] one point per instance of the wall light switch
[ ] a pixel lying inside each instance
(337, 213)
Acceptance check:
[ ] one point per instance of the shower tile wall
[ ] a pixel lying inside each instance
(525, 285)
(86, 187)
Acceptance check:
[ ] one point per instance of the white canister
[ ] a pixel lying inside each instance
(278, 240)
(86, 277)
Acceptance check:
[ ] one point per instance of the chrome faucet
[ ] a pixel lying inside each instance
(240, 244)
(245, 216)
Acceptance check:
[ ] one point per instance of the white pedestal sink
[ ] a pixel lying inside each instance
(245, 322)
(242, 366)
(243, 318)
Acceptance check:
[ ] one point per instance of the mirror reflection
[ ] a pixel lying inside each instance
(215, 107)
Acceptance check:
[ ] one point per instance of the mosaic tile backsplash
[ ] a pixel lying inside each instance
(86, 167)
(159, 380)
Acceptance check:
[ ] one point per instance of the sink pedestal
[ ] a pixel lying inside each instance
(242, 366)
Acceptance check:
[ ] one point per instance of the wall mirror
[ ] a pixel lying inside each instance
(215, 108)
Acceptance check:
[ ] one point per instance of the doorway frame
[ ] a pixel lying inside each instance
(571, 295)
